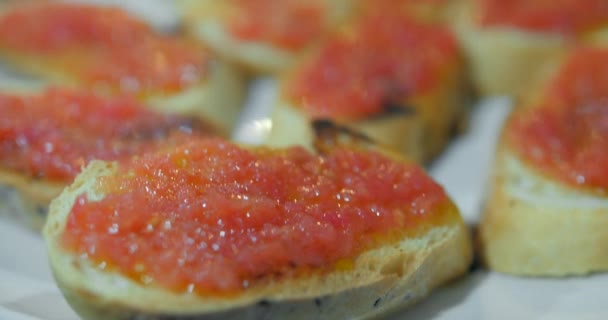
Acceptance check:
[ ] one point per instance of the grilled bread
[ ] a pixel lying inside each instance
(387, 75)
(384, 274)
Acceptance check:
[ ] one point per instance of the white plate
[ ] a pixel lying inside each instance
(28, 292)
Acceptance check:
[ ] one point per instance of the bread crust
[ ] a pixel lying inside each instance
(206, 20)
(506, 61)
(403, 132)
(381, 280)
(536, 226)
(419, 128)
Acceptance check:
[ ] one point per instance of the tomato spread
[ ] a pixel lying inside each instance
(53, 134)
(100, 46)
(566, 135)
(562, 16)
(211, 217)
(289, 24)
(381, 61)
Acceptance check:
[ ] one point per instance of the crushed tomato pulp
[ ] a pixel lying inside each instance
(381, 61)
(52, 135)
(101, 46)
(567, 17)
(566, 136)
(213, 217)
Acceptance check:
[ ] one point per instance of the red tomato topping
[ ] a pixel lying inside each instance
(212, 217)
(53, 134)
(101, 45)
(291, 24)
(383, 59)
(567, 135)
(562, 16)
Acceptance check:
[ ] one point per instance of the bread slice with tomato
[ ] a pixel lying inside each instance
(263, 36)
(388, 75)
(509, 43)
(212, 230)
(47, 135)
(109, 51)
(547, 208)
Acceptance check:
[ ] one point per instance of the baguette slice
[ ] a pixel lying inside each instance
(25, 188)
(507, 60)
(538, 222)
(210, 22)
(385, 278)
(208, 88)
(417, 123)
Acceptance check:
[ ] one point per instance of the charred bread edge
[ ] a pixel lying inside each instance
(382, 279)
(203, 19)
(420, 127)
(533, 225)
(291, 126)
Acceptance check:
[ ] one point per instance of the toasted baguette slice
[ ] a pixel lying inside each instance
(537, 222)
(210, 20)
(388, 277)
(507, 60)
(215, 96)
(27, 192)
(420, 130)
(417, 124)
